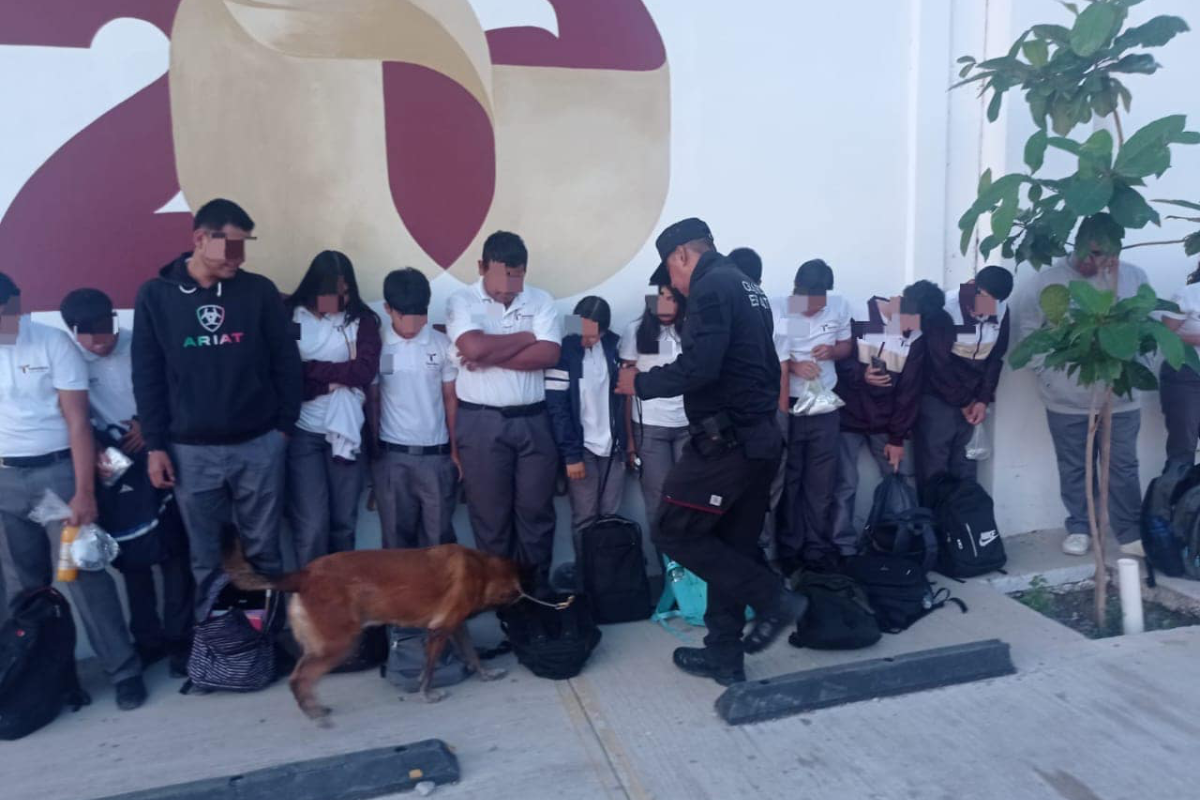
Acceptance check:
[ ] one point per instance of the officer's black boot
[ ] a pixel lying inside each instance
(768, 624)
(703, 663)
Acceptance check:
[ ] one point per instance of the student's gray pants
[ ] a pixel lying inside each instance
(32, 564)
(416, 497)
(769, 541)
(216, 485)
(660, 448)
(812, 464)
(586, 502)
(846, 534)
(1179, 392)
(940, 441)
(322, 497)
(1069, 432)
(510, 466)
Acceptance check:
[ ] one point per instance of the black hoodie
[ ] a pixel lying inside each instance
(216, 365)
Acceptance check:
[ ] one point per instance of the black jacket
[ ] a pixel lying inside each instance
(953, 379)
(216, 365)
(562, 397)
(729, 361)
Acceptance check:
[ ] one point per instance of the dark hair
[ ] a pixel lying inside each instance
(322, 275)
(216, 214)
(996, 281)
(505, 248)
(596, 309)
(928, 298)
(649, 328)
(1193, 277)
(748, 262)
(84, 306)
(8, 289)
(407, 291)
(813, 277)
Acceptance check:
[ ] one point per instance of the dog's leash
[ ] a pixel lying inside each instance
(506, 646)
(565, 604)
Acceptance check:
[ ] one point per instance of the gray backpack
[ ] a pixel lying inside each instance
(406, 660)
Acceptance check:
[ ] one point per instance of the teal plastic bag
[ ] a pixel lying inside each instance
(684, 596)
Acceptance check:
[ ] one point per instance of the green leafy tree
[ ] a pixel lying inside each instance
(1070, 76)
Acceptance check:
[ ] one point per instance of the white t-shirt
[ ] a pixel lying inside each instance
(411, 374)
(471, 309)
(666, 412)
(803, 334)
(594, 411)
(1188, 300)
(322, 338)
(42, 362)
(976, 344)
(110, 383)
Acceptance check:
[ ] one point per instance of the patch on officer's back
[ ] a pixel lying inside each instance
(714, 500)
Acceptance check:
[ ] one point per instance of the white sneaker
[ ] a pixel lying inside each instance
(1077, 544)
(1134, 549)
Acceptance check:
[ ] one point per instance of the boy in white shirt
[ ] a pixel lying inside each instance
(412, 410)
(46, 443)
(816, 332)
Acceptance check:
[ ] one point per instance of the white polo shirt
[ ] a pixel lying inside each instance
(1188, 300)
(110, 383)
(666, 412)
(803, 334)
(976, 344)
(411, 374)
(471, 309)
(594, 409)
(322, 338)
(42, 362)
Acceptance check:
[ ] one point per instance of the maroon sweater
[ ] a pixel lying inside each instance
(882, 409)
(959, 381)
(359, 372)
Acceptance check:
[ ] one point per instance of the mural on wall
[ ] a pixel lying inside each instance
(398, 131)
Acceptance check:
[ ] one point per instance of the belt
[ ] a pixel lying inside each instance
(417, 450)
(32, 462)
(508, 411)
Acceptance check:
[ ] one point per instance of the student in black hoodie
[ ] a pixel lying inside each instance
(217, 379)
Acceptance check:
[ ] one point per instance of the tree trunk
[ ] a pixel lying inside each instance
(1089, 482)
(1099, 541)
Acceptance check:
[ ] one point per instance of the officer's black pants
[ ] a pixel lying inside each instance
(709, 521)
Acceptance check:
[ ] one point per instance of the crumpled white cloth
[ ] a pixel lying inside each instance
(344, 420)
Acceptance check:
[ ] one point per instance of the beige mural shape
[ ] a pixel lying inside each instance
(279, 105)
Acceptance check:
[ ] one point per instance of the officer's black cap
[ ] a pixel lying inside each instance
(682, 232)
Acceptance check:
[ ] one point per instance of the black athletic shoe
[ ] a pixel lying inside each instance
(131, 693)
(697, 661)
(768, 625)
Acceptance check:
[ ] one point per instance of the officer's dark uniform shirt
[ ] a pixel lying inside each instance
(729, 361)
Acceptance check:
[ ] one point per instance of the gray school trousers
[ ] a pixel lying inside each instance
(659, 448)
(216, 485)
(1179, 393)
(322, 497)
(1069, 432)
(416, 496)
(586, 502)
(32, 553)
(940, 440)
(847, 534)
(510, 466)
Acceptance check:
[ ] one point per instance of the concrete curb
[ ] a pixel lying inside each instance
(756, 701)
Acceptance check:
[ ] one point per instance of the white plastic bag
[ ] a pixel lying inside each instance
(815, 400)
(979, 448)
(93, 548)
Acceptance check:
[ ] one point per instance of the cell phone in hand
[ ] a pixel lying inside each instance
(878, 364)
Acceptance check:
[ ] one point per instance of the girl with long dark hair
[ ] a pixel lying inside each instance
(656, 429)
(339, 343)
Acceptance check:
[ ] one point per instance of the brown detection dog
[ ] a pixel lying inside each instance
(338, 595)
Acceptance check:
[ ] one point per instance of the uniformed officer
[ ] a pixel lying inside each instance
(715, 497)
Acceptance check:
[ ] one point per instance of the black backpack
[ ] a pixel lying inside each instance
(611, 569)
(1164, 550)
(1185, 526)
(969, 542)
(897, 590)
(551, 643)
(37, 663)
(839, 615)
(898, 525)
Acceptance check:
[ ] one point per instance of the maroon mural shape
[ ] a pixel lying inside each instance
(86, 216)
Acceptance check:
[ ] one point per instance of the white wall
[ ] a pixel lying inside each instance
(801, 129)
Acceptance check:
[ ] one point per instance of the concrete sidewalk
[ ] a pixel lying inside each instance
(1081, 720)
